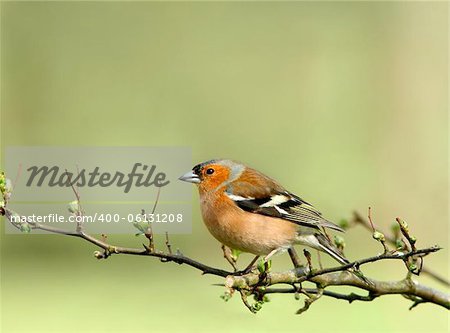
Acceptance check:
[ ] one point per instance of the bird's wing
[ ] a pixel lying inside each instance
(270, 199)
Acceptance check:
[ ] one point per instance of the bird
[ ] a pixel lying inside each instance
(248, 211)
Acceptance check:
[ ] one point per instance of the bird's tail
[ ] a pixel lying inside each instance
(325, 246)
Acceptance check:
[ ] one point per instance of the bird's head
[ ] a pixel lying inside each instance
(214, 174)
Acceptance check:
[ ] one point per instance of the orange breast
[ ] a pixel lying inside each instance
(241, 230)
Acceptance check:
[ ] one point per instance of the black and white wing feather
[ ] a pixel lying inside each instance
(284, 205)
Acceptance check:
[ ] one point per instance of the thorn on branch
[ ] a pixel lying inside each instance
(416, 301)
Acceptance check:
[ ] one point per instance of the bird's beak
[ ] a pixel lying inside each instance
(190, 177)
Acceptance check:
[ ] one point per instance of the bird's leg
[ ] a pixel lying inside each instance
(267, 263)
(229, 257)
(249, 268)
(263, 270)
(270, 255)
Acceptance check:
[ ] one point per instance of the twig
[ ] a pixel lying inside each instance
(246, 302)
(358, 219)
(156, 200)
(379, 236)
(169, 247)
(19, 173)
(148, 233)
(346, 297)
(79, 211)
(308, 259)
(294, 257)
(319, 259)
(384, 256)
(175, 257)
(310, 299)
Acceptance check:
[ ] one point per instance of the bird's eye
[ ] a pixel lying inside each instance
(209, 171)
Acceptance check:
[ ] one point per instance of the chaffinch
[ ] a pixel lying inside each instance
(248, 211)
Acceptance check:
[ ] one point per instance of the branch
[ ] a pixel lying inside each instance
(326, 279)
(259, 285)
(346, 297)
(110, 249)
(359, 219)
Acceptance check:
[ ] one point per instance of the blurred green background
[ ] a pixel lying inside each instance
(343, 103)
